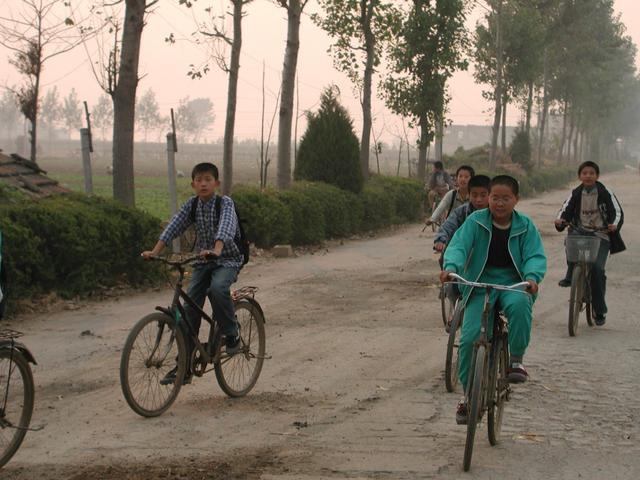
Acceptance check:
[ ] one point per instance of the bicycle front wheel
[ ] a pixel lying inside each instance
(237, 374)
(498, 388)
(16, 402)
(451, 362)
(153, 349)
(475, 404)
(448, 307)
(575, 299)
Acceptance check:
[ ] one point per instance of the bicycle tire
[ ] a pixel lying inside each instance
(451, 361)
(23, 411)
(587, 300)
(164, 333)
(497, 388)
(447, 306)
(475, 404)
(230, 369)
(575, 299)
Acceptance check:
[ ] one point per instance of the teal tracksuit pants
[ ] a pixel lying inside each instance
(517, 307)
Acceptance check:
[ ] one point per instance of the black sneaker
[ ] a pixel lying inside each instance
(170, 378)
(601, 320)
(462, 412)
(516, 373)
(233, 345)
(565, 282)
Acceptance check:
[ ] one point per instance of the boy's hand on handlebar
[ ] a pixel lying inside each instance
(428, 222)
(209, 254)
(438, 246)
(147, 254)
(561, 223)
(444, 276)
(533, 287)
(612, 228)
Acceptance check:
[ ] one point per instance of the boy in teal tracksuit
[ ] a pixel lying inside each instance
(502, 246)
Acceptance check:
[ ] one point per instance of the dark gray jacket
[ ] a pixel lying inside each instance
(449, 227)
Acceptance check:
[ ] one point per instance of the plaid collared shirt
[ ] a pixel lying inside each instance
(209, 228)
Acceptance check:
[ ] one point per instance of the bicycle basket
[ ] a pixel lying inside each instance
(582, 248)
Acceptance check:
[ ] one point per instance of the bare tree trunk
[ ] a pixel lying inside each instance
(399, 157)
(529, 109)
(294, 11)
(572, 124)
(369, 42)
(504, 123)
(422, 148)
(545, 109)
(498, 88)
(576, 141)
(564, 133)
(232, 96)
(124, 103)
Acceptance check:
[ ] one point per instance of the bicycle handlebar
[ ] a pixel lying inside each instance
(584, 229)
(180, 263)
(516, 287)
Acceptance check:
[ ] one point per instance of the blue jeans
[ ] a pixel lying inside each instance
(214, 281)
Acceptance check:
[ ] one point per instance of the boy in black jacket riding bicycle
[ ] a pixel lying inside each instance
(591, 205)
(217, 232)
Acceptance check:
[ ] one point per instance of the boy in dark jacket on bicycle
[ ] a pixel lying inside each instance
(221, 257)
(593, 206)
(501, 246)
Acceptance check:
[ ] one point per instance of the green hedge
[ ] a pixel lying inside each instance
(74, 245)
(268, 221)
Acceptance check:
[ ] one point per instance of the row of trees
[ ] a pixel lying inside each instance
(566, 55)
(572, 58)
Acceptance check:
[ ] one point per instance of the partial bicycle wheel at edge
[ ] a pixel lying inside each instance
(575, 299)
(497, 389)
(152, 349)
(475, 404)
(451, 362)
(16, 401)
(237, 374)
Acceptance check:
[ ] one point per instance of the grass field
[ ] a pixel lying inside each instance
(152, 193)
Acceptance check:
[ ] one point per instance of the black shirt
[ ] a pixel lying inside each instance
(499, 255)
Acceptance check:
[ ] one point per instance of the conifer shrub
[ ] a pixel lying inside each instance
(329, 149)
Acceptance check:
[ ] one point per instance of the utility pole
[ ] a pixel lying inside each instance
(172, 149)
(87, 149)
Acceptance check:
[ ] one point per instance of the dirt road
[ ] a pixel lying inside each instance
(355, 387)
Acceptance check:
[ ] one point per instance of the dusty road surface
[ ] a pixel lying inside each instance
(355, 387)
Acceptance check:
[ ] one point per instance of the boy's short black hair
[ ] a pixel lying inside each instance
(591, 164)
(507, 181)
(479, 181)
(468, 168)
(438, 164)
(205, 167)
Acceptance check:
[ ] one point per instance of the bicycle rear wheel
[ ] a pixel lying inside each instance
(237, 374)
(152, 350)
(475, 403)
(587, 300)
(16, 401)
(575, 299)
(498, 387)
(451, 362)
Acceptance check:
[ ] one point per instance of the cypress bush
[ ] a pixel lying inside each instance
(329, 149)
(520, 149)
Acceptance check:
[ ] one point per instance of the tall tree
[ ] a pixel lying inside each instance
(148, 112)
(102, 115)
(360, 29)
(232, 67)
(35, 32)
(426, 51)
(294, 12)
(71, 112)
(9, 114)
(51, 111)
(194, 116)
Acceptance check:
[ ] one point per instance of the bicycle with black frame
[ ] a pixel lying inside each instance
(16, 393)
(157, 345)
(582, 246)
(488, 388)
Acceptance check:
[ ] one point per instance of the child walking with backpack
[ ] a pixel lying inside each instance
(220, 244)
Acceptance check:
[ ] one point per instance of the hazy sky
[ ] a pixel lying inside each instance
(164, 67)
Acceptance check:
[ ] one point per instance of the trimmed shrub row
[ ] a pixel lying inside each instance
(74, 244)
(312, 211)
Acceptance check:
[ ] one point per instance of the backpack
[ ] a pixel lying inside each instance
(242, 243)
(453, 201)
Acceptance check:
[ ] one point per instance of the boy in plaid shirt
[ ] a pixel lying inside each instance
(221, 257)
